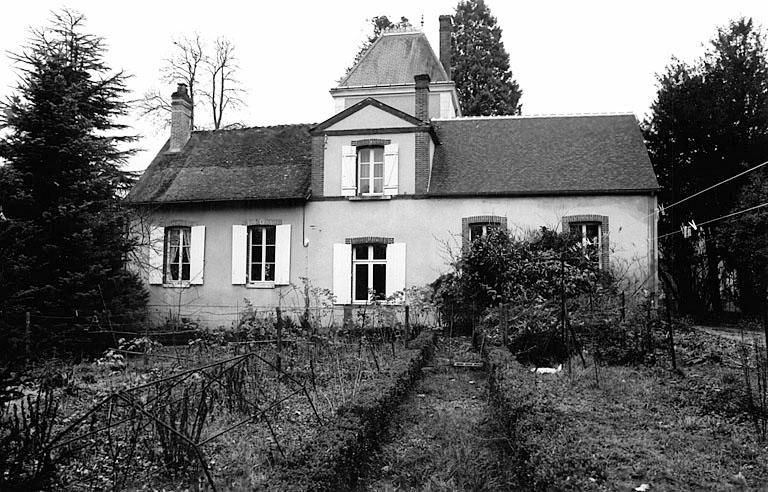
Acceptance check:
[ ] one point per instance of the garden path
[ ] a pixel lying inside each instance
(442, 439)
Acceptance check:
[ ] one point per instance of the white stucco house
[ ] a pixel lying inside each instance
(368, 199)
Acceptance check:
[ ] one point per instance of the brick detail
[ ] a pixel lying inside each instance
(263, 222)
(466, 222)
(422, 162)
(318, 165)
(604, 228)
(181, 119)
(421, 109)
(369, 240)
(370, 142)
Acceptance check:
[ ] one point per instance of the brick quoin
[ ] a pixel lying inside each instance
(421, 111)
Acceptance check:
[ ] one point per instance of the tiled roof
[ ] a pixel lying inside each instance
(394, 59)
(540, 155)
(249, 164)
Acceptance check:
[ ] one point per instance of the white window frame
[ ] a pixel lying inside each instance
(586, 241)
(263, 246)
(370, 262)
(372, 178)
(167, 263)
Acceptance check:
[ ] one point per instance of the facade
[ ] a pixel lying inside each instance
(372, 200)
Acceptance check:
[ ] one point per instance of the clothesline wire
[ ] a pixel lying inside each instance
(719, 218)
(711, 187)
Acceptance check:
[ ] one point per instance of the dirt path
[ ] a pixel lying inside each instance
(442, 439)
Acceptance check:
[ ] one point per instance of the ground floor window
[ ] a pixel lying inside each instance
(478, 226)
(177, 254)
(369, 272)
(591, 231)
(261, 253)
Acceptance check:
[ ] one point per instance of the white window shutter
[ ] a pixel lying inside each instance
(197, 255)
(395, 268)
(348, 170)
(156, 252)
(342, 273)
(239, 254)
(283, 254)
(390, 169)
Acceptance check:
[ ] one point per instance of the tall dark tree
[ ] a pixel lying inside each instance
(63, 240)
(709, 122)
(480, 64)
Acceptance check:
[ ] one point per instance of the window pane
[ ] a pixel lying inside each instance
(365, 171)
(269, 272)
(380, 281)
(361, 252)
(256, 233)
(378, 154)
(174, 270)
(576, 231)
(379, 251)
(256, 254)
(378, 185)
(256, 272)
(365, 186)
(361, 282)
(593, 231)
(173, 236)
(185, 271)
(270, 254)
(270, 235)
(475, 231)
(185, 254)
(365, 155)
(378, 170)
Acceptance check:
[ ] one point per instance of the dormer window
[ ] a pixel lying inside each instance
(369, 168)
(370, 171)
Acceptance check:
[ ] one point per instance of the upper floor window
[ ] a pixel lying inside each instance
(261, 254)
(370, 170)
(177, 246)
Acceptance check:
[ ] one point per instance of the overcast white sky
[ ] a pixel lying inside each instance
(569, 56)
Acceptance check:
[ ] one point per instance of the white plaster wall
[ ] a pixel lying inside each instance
(404, 102)
(217, 302)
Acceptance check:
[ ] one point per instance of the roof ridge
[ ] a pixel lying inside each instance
(542, 115)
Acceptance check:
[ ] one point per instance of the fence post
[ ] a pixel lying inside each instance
(278, 361)
(671, 333)
(407, 325)
(28, 335)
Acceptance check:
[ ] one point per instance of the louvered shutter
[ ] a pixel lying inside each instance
(390, 169)
(283, 254)
(156, 251)
(342, 273)
(197, 255)
(239, 254)
(348, 170)
(395, 268)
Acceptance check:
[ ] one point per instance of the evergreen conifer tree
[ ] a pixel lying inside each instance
(64, 238)
(480, 64)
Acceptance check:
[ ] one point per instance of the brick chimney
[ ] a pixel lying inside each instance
(422, 137)
(446, 26)
(181, 118)
(422, 97)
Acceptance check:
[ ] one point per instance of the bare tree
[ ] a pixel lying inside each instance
(190, 57)
(224, 91)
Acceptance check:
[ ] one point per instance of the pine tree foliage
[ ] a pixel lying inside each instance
(709, 122)
(480, 64)
(64, 238)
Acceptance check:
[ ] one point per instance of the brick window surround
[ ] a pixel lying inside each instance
(467, 222)
(369, 240)
(604, 228)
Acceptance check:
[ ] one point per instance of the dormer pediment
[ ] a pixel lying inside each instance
(368, 114)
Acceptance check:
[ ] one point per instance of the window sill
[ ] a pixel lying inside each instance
(361, 198)
(177, 285)
(260, 285)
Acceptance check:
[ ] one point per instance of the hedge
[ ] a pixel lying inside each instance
(335, 457)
